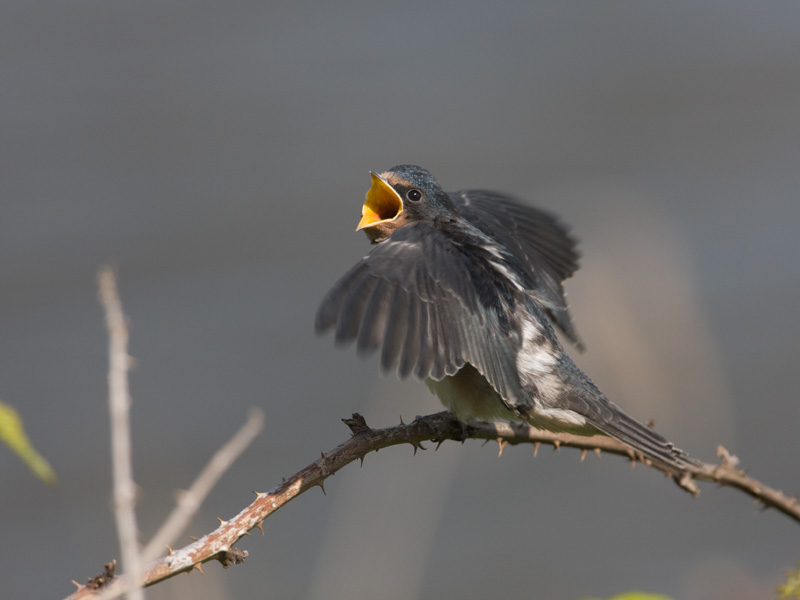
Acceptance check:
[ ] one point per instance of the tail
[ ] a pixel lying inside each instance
(583, 397)
(643, 439)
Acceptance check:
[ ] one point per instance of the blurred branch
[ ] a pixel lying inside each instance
(437, 428)
(107, 584)
(189, 501)
(119, 400)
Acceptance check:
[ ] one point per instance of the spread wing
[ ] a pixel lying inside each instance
(540, 242)
(430, 307)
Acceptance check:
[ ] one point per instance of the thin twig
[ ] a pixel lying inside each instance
(119, 405)
(191, 500)
(219, 544)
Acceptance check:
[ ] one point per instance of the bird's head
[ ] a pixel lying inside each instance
(402, 195)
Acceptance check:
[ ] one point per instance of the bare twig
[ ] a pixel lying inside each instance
(191, 500)
(219, 544)
(119, 404)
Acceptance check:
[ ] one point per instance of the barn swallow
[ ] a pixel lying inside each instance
(463, 290)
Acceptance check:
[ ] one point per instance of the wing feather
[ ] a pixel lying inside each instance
(431, 310)
(542, 244)
(425, 360)
(350, 301)
(412, 346)
(374, 313)
(397, 327)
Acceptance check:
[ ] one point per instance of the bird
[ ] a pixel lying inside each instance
(464, 290)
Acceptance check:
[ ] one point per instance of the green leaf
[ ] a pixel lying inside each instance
(791, 589)
(12, 433)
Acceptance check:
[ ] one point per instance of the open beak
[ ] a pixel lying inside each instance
(383, 203)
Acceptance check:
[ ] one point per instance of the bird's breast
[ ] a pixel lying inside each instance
(468, 395)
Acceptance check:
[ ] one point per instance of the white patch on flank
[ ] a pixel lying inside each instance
(556, 419)
(536, 362)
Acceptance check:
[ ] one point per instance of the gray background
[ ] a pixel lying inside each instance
(218, 153)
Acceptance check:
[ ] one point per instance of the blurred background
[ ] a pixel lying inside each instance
(217, 154)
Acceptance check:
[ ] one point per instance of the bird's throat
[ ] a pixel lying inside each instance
(383, 229)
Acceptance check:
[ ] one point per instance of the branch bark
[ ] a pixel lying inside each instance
(189, 501)
(437, 428)
(119, 400)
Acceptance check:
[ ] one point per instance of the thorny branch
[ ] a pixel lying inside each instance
(437, 428)
(189, 501)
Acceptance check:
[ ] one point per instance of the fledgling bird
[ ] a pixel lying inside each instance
(460, 290)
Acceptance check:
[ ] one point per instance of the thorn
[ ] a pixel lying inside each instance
(647, 462)
(598, 452)
(77, 585)
(401, 420)
(361, 458)
(283, 479)
(556, 444)
(199, 567)
(484, 443)
(257, 493)
(321, 485)
(536, 448)
(583, 455)
(260, 526)
(687, 483)
(245, 532)
(417, 446)
(322, 455)
(170, 550)
(221, 521)
(651, 423)
(438, 445)
(728, 460)
(191, 537)
(501, 444)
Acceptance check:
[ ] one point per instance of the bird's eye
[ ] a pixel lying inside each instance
(414, 195)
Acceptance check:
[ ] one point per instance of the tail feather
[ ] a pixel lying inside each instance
(643, 439)
(582, 396)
